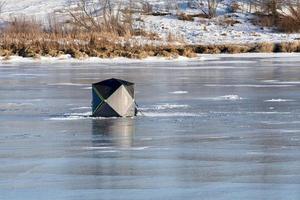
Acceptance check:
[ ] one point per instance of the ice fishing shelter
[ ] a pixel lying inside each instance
(113, 98)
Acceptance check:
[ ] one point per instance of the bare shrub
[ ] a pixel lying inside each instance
(263, 20)
(103, 16)
(212, 7)
(147, 8)
(290, 21)
(269, 12)
(56, 26)
(234, 6)
(2, 5)
(211, 10)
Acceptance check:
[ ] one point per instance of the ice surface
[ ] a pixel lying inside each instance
(181, 146)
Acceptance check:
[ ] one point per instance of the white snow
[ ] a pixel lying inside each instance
(38, 8)
(69, 59)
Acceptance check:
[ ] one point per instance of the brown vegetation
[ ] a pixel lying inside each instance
(290, 22)
(234, 7)
(185, 17)
(264, 20)
(46, 44)
(284, 15)
(229, 22)
(84, 35)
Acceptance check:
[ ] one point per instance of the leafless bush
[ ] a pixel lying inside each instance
(2, 5)
(284, 15)
(269, 12)
(264, 20)
(212, 5)
(56, 26)
(234, 7)
(147, 8)
(103, 16)
(290, 21)
(171, 5)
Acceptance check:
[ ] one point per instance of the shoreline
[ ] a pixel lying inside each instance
(121, 60)
(38, 49)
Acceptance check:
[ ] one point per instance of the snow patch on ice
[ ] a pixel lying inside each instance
(81, 108)
(170, 106)
(170, 114)
(95, 148)
(179, 92)
(87, 88)
(73, 116)
(247, 85)
(165, 106)
(14, 106)
(67, 84)
(229, 97)
(279, 100)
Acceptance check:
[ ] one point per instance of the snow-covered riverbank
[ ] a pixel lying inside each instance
(200, 31)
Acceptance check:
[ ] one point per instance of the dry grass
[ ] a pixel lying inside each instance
(229, 22)
(45, 44)
(185, 17)
(265, 47)
(288, 47)
(23, 25)
(149, 35)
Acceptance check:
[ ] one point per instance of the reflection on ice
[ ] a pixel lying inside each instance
(116, 133)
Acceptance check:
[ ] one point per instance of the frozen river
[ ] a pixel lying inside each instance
(225, 128)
